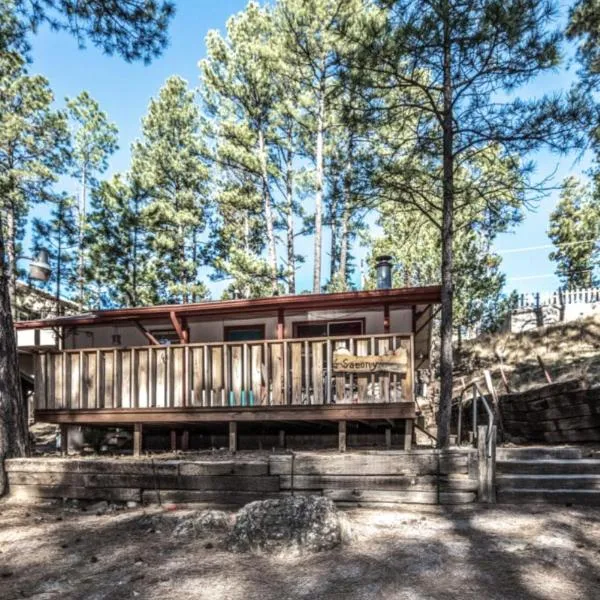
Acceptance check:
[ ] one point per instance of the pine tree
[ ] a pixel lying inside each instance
(312, 34)
(169, 164)
(94, 140)
(135, 31)
(119, 258)
(33, 151)
(58, 235)
(240, 96)
(450, 65)
(584, 27)
(575, 231)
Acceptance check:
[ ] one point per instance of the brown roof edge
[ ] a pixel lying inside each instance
(408, 296)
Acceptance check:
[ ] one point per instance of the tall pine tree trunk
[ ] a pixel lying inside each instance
(446, 359)
(59, 258)
(319, 191)
(272, 252)
(134, 251)
(289, 208)
(334, 224)
(14, 438)
(11, 258)
(345, 224)
(344, 235)
(81, 249)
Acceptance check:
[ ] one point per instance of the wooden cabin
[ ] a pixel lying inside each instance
(340, 363)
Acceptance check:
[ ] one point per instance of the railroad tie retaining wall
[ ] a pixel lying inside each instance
(352, 479)
(556, 413)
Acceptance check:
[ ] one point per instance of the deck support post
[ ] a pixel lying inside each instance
(137, 439)
(486, 460)
(173, 440)
(282, 438)
(342, 436)
(64, 439)
(408, 432)
(233, 441)
(388, 437)
(185, 440)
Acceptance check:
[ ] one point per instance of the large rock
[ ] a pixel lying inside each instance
(299, 523)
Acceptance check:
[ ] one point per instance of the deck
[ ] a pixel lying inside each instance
(289, 380)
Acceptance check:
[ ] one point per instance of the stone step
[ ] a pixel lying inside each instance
(586, 466)
(546, 496)
(539, 453)
(548, 482)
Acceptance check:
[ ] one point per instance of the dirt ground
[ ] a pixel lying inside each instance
(532, 552)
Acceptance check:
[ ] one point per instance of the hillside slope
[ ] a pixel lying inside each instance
(568, 350)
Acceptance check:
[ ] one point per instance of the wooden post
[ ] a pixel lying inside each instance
(388, 437)
(486, 470)
(408, 432)
(282, 438)
(386, 318)
(233, 436)
(64, 439)
(185, 440)
(173, 440)
(342, 436)
(137, 439)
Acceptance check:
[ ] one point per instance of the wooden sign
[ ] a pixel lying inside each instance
(392, 362)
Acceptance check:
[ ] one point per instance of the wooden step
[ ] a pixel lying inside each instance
(547, 496)
(539, 453)
(585, 466)
(548, 482)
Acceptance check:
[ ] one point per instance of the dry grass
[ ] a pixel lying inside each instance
(569, 350)
(460, 553)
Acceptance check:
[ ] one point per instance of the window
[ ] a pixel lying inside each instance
(329, 328)
(244, 333)
(165, 337)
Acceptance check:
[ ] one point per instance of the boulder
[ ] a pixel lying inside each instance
(202, 521)
(297, 523)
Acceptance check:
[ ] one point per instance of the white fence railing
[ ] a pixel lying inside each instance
(558, 298)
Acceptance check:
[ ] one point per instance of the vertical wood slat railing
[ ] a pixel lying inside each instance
(253, 373)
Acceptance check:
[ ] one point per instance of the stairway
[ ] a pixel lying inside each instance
(562, 475)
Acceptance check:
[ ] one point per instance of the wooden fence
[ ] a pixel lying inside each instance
(256, 373)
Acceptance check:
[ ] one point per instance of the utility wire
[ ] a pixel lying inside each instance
(544, 247)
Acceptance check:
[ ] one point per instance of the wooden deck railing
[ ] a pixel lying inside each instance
(255, 373)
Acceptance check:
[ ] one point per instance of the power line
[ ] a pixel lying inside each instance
(544, 247)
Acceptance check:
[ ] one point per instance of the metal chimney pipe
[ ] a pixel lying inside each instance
(383, 267)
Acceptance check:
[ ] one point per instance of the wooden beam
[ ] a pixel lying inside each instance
(178, 327)
(408, 431)
(173, 440)
(217, 414)
(233, 442)
(433, 316)
(280, 324)
(386, 318)
(282, 438)
(64, 440)
(185, 440)
(388, 438)
(342, 436)
(137, 439)
(153, 341)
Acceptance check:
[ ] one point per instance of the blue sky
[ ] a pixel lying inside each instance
(124, 90)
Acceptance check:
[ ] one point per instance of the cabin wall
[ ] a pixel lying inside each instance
(208, 330)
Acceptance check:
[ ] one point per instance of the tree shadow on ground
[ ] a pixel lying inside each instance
(433, 552)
